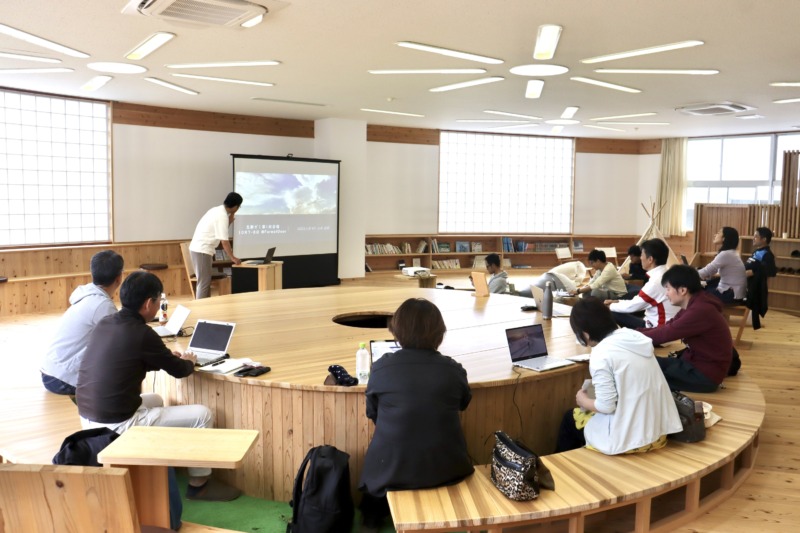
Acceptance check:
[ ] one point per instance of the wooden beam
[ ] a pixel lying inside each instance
(391, 134)
(617, 146)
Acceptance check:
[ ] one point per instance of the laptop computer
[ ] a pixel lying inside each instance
(378, 349)
(479, 282)
(683, 260)
(210, 341)
(175, 323)
(559, 310)
(529, 350)
(267, 258)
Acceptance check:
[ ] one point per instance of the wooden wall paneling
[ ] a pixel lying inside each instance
(392, 134)
(711, 217)
(617, 146)
(163, 117)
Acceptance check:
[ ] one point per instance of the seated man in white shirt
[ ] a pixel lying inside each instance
(652, 299)
(606, 283)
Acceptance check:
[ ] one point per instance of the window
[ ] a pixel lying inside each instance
(505, 183)
(733, 170)
(54, 170)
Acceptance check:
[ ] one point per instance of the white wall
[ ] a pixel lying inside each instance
(403, 189)
(609, 189)
(166, 178)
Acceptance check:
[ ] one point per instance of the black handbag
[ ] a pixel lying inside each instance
(517, 471)
(692, 419)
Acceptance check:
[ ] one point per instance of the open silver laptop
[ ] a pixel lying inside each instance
(267, 258)
(529, 349)
(559, 310)
(378, 349)
(175, 323)
(210, 341)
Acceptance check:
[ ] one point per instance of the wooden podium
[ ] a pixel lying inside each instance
(253, 278)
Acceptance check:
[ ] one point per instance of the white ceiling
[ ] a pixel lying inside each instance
(326, 47)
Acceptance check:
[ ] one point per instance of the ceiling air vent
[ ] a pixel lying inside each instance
(205, 12)
(721, 108)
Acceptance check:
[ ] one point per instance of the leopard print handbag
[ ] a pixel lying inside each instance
(514, 469)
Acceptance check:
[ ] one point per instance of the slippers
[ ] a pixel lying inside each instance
(213, 491)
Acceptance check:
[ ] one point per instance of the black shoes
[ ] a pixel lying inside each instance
(341, 376)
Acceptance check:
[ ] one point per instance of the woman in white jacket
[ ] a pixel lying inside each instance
(632, 409)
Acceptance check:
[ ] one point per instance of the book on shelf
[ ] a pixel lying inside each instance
(416, 262)
(435, 246)
(367, 268)
(577, 245)
(444, 247)
(220, 255)
(506, 262)
(520, 246)
(462, 246)
(421, 246)
(477, 246)
(446, 264)
(479, 262)
(531, 247)
(508, 244)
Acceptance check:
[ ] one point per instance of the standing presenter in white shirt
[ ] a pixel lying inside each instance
(211, 231)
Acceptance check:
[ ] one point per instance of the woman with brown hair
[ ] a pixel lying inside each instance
(414, 397)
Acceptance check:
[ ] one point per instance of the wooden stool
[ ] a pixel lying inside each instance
(741, 311)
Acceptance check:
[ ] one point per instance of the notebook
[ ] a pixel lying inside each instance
(210, 341)
(378, 349)
(267, 258)
(559, 310)
(529, 349)
(171, 328)
(479, 282)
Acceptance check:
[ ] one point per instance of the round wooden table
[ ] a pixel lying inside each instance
(292, 332)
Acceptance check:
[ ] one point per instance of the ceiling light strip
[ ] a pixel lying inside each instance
(516, 126)
(450, 53)
(47, 70)
(489, 121)
(569, 112)
(505, 114)
(225, 80)
(465, 84)
(786, 101)
(392, 112)
(278, 101)
(673, 71)
(96, 83)
(220, 64)
(431, 71)
(643, 51)
(172, 86)
(624, 116)
(534, 89)
(636, 123)
(601, 127)
(546, 41)
(38, 41)
(23, 57)
(607, 85)
(150, 45)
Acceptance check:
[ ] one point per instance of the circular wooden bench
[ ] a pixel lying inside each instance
(649, 492)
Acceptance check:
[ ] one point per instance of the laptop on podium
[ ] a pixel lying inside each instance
(267, 258)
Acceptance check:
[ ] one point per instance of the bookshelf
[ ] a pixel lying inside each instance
(457, 253)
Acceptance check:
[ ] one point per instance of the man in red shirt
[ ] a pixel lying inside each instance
(701, 326)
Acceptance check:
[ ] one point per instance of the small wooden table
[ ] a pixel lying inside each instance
(252, 278)
(147, 451)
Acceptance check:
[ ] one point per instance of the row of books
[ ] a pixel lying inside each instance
(461, 247)
(446, 264)
(388, 248)
(538, 246)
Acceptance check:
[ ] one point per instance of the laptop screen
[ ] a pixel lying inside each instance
(268, 256)
(211, 336)
(379, 348)
(526, 342)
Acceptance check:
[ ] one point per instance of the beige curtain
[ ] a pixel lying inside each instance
(672, 186)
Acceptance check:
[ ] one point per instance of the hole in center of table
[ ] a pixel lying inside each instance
(364, 319)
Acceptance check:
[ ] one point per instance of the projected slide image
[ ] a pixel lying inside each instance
(286, 194)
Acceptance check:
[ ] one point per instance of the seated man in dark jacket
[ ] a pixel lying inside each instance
(701, 326)
(122, 348)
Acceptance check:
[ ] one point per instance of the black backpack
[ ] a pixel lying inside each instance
(323, 503)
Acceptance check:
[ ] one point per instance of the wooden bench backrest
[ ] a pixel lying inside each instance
(66, 499)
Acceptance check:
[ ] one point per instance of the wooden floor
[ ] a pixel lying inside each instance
(768, 502)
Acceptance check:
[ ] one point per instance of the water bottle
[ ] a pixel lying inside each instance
(162, 313)
(547, 302)
(362, 364)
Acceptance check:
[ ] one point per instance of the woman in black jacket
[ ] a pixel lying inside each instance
(414, 397)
